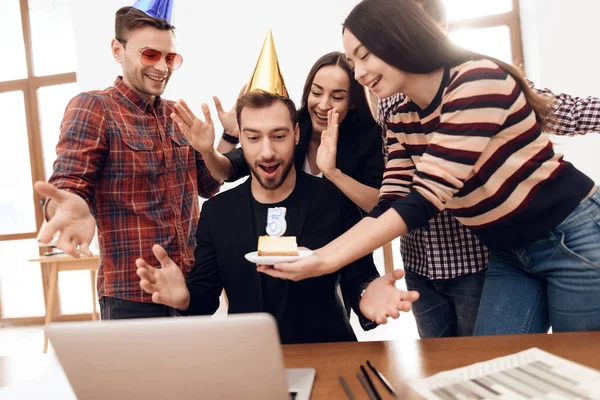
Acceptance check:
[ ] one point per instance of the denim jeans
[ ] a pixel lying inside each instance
(446, 307)
(554, 282)
(114, 308)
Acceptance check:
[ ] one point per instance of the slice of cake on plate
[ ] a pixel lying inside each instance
(277, 246)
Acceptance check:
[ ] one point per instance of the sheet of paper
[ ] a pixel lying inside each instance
(530, 374)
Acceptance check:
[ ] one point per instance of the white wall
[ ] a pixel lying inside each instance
(560, 46)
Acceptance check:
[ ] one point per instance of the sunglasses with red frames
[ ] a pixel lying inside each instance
(150, 57)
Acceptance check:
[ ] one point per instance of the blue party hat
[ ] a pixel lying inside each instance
(160, 9)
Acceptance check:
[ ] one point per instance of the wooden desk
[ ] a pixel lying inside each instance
(415, 359)
(62, 262)
(398, 361)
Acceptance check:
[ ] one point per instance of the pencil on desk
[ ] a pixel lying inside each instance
(347, 389)
(370, 382)
(382, 378)
(365, 385)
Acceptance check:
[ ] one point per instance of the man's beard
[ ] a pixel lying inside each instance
(271, 185)
(138, 84)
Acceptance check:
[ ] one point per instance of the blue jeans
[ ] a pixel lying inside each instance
(554, 282)
(114, 308)
(446, 307)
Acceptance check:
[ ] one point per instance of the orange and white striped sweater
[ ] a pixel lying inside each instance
(478, 152)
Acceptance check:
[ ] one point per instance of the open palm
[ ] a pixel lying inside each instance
(382, 299)
(228, 118)
(72, 220)
(166, 284)
(327, 151)
(200, 134)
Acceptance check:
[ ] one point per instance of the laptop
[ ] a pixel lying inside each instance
(233, 357)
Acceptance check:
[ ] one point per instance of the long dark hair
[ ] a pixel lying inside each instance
(400, 33)
(358, 101)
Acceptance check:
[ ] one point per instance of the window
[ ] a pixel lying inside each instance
(35, 87)
(487, 27)
(12, 41)
(17, 209)
(52, 40)
(467, 9)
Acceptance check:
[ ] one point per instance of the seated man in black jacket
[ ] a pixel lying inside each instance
(306, 312)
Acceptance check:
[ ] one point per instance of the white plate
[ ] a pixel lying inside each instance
(271, 260)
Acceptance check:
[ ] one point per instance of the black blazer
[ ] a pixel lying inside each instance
(359, 151)
(226, 232)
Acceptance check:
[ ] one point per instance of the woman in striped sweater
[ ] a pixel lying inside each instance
(468, 139)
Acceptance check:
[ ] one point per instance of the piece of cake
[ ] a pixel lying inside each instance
(277, 246)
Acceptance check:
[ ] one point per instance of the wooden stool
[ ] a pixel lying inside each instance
(388, 258)
(62, 262)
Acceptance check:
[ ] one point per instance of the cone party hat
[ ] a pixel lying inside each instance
(267, 75)
(160, 9)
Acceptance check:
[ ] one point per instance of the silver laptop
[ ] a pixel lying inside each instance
(234, 357)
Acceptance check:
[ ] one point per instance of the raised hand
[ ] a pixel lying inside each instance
(166, 284)
(327, 151)
(200, 134)
(382, 299)
(72, 220)
(228, 118)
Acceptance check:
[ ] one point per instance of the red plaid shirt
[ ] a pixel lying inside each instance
(140, 177)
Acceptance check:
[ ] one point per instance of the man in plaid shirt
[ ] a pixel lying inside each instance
(125, 166)
(445, 262)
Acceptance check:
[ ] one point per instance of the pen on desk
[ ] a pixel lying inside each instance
(382, 378)
(370, 382)
(347, 389)
(365, 385)
(54, 253)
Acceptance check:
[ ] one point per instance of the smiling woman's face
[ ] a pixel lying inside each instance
(330, 89)
(371, 71)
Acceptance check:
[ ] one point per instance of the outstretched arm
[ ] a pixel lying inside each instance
(70, 191)
(573, 115)
(366, 236)
(201, 135)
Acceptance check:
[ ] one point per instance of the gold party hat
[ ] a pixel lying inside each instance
(267, 75)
